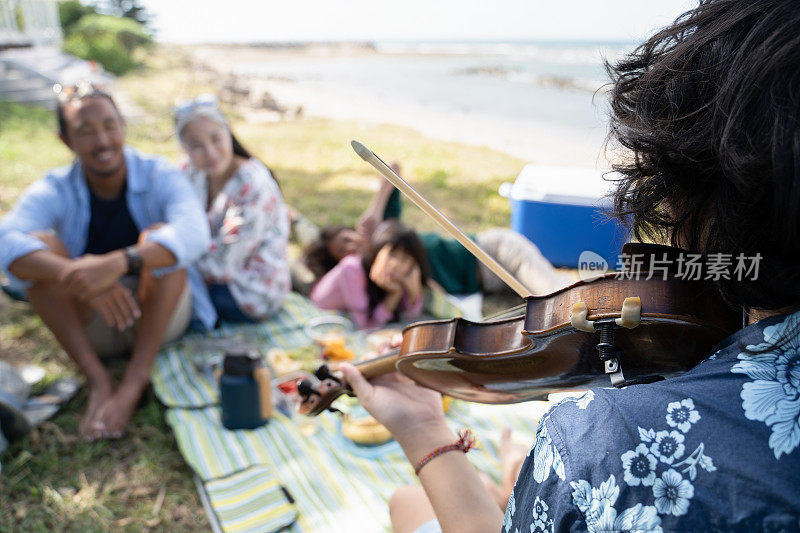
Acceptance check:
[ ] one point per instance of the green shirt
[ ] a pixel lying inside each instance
(452, 266)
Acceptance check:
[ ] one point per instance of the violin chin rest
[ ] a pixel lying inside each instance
(631, 314)
(578, 318)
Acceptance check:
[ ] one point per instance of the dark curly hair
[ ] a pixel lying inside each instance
(710, 109)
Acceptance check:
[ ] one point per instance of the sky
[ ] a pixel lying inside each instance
(194, 21)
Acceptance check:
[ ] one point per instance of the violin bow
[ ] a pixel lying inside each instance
(369, 156)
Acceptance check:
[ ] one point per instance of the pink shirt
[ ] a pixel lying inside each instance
(344, 288)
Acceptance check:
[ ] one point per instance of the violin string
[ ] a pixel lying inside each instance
(511, 311)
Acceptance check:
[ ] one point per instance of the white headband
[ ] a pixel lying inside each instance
(205, 105)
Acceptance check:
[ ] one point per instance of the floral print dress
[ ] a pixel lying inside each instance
(249, 234)
(715, 449)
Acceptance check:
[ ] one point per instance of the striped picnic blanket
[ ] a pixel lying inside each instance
(331, 482)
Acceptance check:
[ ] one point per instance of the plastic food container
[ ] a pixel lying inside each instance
(331, 332)
(325, 328)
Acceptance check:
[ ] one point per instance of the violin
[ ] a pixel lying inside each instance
(620, 329)
(615, 330)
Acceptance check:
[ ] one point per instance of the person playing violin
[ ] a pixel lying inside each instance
(709, 110)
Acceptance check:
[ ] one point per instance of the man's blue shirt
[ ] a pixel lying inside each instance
(156, 193)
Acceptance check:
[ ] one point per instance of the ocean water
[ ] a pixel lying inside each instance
(553, 87)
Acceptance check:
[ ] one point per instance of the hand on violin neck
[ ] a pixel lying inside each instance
(410, 412)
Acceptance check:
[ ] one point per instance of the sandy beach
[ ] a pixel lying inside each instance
(248, 69)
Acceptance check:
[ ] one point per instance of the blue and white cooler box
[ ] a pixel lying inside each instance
(564, 211)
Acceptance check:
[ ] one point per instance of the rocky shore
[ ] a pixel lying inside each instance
(241, 74)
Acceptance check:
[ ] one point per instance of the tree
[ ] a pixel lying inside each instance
(126, 9)
(70, 12)
(111, 41)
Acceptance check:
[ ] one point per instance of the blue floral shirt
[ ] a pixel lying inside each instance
(713, 449)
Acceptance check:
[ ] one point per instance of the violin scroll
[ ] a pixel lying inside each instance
(317, 397)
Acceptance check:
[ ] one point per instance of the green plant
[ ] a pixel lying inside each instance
(124, 8)
(70, 12)
(111, 41)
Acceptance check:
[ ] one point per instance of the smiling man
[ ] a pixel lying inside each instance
(102, 247)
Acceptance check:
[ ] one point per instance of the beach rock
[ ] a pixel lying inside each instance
(497, 71)
(268, 102)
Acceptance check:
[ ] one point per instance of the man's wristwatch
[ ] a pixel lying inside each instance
(135, 261)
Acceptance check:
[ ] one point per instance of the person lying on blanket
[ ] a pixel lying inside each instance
(102, 247)
(453, 268)
(710, 108)
(245, 266)
(380, 285)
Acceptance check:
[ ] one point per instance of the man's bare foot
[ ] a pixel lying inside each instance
(98, 395)
(115, 413)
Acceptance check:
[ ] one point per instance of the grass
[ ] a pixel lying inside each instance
(28, 146)
(53, 482)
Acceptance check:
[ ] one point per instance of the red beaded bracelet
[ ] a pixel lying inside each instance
(464, 443)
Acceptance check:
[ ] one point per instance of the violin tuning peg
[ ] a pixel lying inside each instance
(305, 388)
(323, 373)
